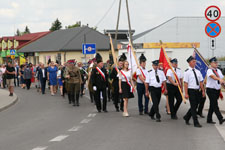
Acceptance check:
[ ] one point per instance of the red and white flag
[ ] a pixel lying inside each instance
(132, 62)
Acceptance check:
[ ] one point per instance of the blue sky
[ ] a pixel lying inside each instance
(38, 15)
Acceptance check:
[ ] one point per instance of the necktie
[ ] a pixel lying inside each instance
(196, 79)
(216, 73)
(175, 72)
(157, 77)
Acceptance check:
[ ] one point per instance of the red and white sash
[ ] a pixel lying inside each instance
(131, 88)
(101, 73)
(142, 73)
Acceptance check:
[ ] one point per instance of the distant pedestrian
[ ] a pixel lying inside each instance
(42, 76)
(27, 76)
(52, 77)
(22, 80)
(10, 74)
(1, 79)
(59, 77)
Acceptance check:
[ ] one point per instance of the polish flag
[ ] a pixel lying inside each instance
(132, 62)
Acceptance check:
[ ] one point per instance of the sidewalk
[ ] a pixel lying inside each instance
(5, 100)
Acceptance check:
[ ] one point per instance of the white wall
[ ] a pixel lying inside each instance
(153, 54)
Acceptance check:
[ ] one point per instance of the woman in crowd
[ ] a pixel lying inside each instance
(27, 76)
(59, 77)
(1, 79)
(126, 86)
(21, 73)
(52, 77)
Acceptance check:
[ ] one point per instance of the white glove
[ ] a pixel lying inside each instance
(94, 88)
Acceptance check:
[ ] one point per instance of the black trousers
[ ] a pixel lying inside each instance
(213, 95)
(43, 85)
(201, 104)
(173, 92)
(98, 99)
(156, 97)
(141, 93)
(4, 80)
(194, 98)
(117, 98)
(28, 83)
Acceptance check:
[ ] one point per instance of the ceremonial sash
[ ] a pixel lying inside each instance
(216, 73)
(131, 88)
(101, 73)
(116, 69)
(143, 73)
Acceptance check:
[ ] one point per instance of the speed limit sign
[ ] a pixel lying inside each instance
(212, 13)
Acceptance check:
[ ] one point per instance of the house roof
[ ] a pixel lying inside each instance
(68, 40)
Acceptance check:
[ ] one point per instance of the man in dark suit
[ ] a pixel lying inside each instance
(42, 75)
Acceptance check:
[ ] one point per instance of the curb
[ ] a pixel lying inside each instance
(11, 104)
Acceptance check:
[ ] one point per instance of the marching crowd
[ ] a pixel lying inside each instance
(117, 82)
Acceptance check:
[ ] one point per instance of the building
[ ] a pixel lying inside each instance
(17, 42)
(178, 34)
(62, 45)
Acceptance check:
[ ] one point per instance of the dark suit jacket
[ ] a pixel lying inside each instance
(40, 74)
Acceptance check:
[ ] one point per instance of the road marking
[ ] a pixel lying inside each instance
(40, 148)
(85, 121)
(91, 115)
(59, 138)
(75, 128)
(221, 130)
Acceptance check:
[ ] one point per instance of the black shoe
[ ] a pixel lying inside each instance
(211, 122)
(117, 110)
(222, 121)
(99, 111)
(186, 121)
(174, 117)
(158, 120)
(201, 116)
(141, 113)
(146, 113)
(11, 94)
(152, 117)
(105, 111)
(198, 125)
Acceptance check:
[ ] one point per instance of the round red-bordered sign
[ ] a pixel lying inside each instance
(213, 29)
(214, 14)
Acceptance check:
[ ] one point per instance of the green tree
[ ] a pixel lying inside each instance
(77, 24)
(27, 30)
(56, 25)
(18, 33)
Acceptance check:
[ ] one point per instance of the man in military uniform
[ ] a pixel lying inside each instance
(115, 84)
(99, 81)
(74, 80)
(141, 76)
(172, 88)
(92, 64)
(213, 87)
(193, 83)
(153, 84)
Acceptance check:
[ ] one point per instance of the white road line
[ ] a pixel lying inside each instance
(59, 138)
(85, 121)
(221, 130)
(40, 148)
(91, 115)
(75, 128)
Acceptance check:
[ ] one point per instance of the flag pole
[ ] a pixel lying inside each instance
(113, 51)
(135, 57)
(167, 58)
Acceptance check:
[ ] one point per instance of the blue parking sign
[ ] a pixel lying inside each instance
(89, 48)
(12, 52)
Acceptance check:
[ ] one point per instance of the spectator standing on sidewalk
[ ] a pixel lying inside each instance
(10, 74)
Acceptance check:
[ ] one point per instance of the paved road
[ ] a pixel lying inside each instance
(40, 122)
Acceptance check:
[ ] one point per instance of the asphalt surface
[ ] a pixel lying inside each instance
(39, 122)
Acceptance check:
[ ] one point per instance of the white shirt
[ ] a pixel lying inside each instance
(43, 72)
(127, 74)
(59, 74)
(139, 73)
(151, 78)
(189, 78)
(3, 70)
(211, 83)
(170, 74)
